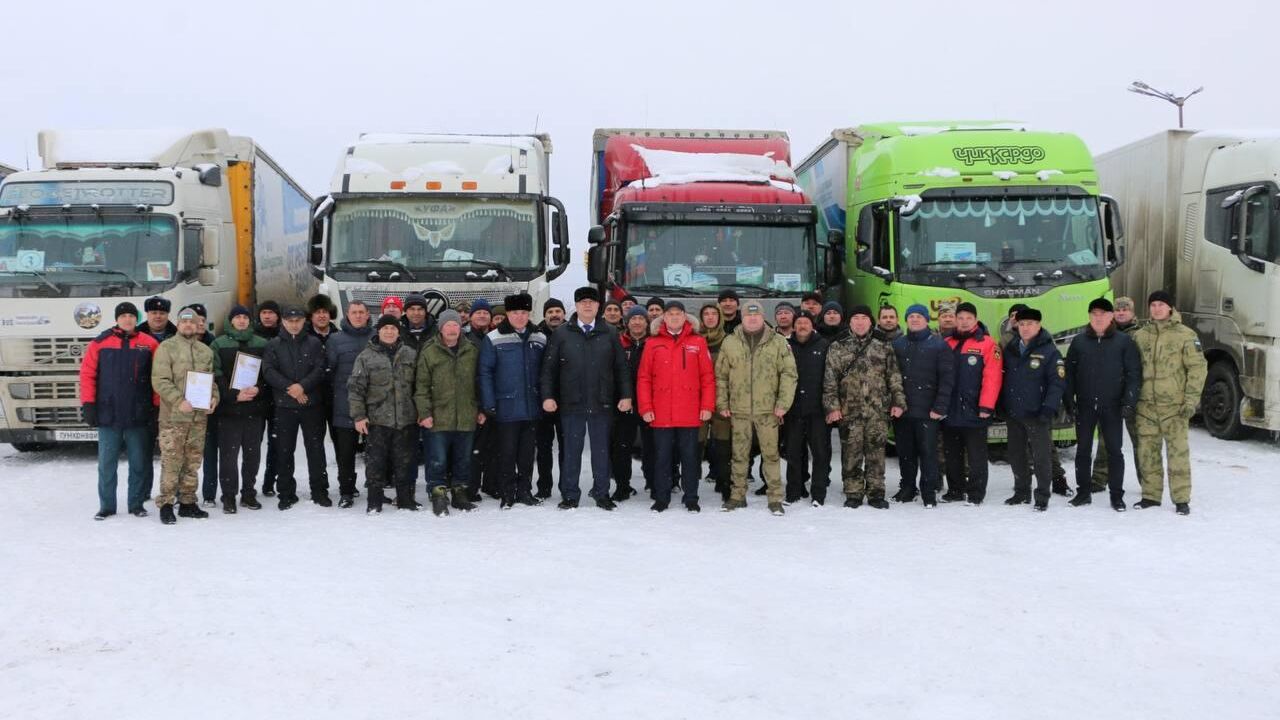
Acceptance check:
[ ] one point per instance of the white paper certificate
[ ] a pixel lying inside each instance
(200, 389)
(245, 374)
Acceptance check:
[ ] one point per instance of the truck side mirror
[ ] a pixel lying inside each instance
(1113, 232)
(317, 255)
(595, 235)
(210, 250)
(208, 276)
(560, 238)
(598, 264)
(830, 266)
(835, 238)
(210, 174)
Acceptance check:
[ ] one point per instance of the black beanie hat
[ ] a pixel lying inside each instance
(861, 310)
(271, 305)
(728, 293)
(157, 303)
(1161, 296)
(1100, 304)
(552, 303)
(808, 316)
(967, 307)
(126, 308)
(239, 310)
(415, 300)
(655, 301)
(384, 320)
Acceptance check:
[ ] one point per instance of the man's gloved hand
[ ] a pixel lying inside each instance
(89, 411)
(1129, 412)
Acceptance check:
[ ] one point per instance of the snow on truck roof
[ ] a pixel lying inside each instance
(155, 147)
(528, 143)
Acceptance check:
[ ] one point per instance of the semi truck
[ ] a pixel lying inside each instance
(1202, 209)
(984, 212)
(689, 213)
(6, 170)
(453, 217)
(197, 217)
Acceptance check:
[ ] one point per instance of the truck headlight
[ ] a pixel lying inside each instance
(20, 391)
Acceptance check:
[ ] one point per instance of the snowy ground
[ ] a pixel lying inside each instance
(989, 612)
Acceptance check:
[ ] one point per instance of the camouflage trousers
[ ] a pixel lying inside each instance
(764, 428)
(1167, 433)
(862, 446)
(181, 456)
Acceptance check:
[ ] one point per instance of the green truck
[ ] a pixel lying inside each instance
(984, 212)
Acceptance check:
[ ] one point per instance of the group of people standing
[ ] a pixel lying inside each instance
(480, 397)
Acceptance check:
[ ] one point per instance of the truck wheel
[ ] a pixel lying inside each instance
(29, 446)
(1220, 403)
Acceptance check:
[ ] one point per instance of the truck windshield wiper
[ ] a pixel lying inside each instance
(376, 263)
(104, 271)
(984, 265)
(43, 278)
(675, 290)
(475, 261)
(742, 286)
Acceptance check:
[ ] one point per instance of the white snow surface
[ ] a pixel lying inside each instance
(663, 163)
(956, 612)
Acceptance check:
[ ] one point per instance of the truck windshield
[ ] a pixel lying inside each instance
(423, 233)
(707, 257)
(80, 254)
(1042, 234)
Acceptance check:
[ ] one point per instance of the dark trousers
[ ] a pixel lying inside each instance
(345, 442)
(807, 436)
(625, 428)
(969, 444)
(576, 427)
(388, 460)
(450, 455)
(273, 439)
(514, 443)
(1031, 448)
(671, 444)
(421, 455)
(917, 443)
(209, 481)
(239, 449)
(311, 422)
(548, 428)
(136, 443)
(1110, 423)
(484, 457)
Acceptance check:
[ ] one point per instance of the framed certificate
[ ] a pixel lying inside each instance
(200, 389)
(245, 373)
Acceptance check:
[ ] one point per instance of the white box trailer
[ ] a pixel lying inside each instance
(1202, 220)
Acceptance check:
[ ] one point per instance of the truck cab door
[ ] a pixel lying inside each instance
(874, 242)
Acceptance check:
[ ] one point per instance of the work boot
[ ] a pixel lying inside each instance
(605, 503)
(543, 493)
(777, 509)
(1082, 498)
(191, 510)
(731, 505)
(140, 512)
(1117, 504)
(228, 506)
(951, 496)
(1018, 499)
(251, 502)
(1060, 487)
(878, 503)
(852, 502)
(461, 501)
(346, 501)
(322, 500)
(1041, 506)
(623, 493)
(905, 495)
(1144, 503)
(693, 506)
(658, 506)
(567, 505)
(1182, 508)
(439, 502)
(102, 515)
(929, 498)
(523, 497)
(166, 515)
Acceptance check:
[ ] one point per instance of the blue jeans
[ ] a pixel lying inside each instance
(137, 445)
(683, 444)
(576, 426)
(450, 452)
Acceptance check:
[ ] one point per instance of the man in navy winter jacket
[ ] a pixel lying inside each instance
(928, 376)
(510, 369)
(1034, 379)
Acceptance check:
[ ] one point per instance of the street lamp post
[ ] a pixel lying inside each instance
(1142, 88)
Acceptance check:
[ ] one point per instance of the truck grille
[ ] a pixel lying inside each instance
(58, 351)
(57, 417)
(55, 391)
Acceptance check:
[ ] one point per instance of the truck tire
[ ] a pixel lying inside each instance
(29, 446)
(1220, 403)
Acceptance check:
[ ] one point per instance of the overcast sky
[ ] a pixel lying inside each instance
(303, 82)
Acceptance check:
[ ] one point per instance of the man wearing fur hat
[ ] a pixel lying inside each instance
(510, 371)
(584, 378)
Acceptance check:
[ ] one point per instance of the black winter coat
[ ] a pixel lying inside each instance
(928, 372)
(293, 359)
(1033, 381)
(1103, 372)
(340, 358)
(585, 372)
(811, 366)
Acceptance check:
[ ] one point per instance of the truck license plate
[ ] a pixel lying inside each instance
(998, 432)
(75, 435)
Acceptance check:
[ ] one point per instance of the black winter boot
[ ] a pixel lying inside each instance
(439, 502)
(166, 515)
(1082, 498)
(462, 500)
(191, 510)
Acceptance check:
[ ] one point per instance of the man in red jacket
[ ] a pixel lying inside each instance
(676, 393)
(979, 374)
(116, 397)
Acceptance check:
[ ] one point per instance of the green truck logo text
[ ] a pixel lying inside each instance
(1000, 154)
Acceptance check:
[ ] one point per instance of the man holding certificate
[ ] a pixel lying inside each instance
(182, 375)
(237, 369)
